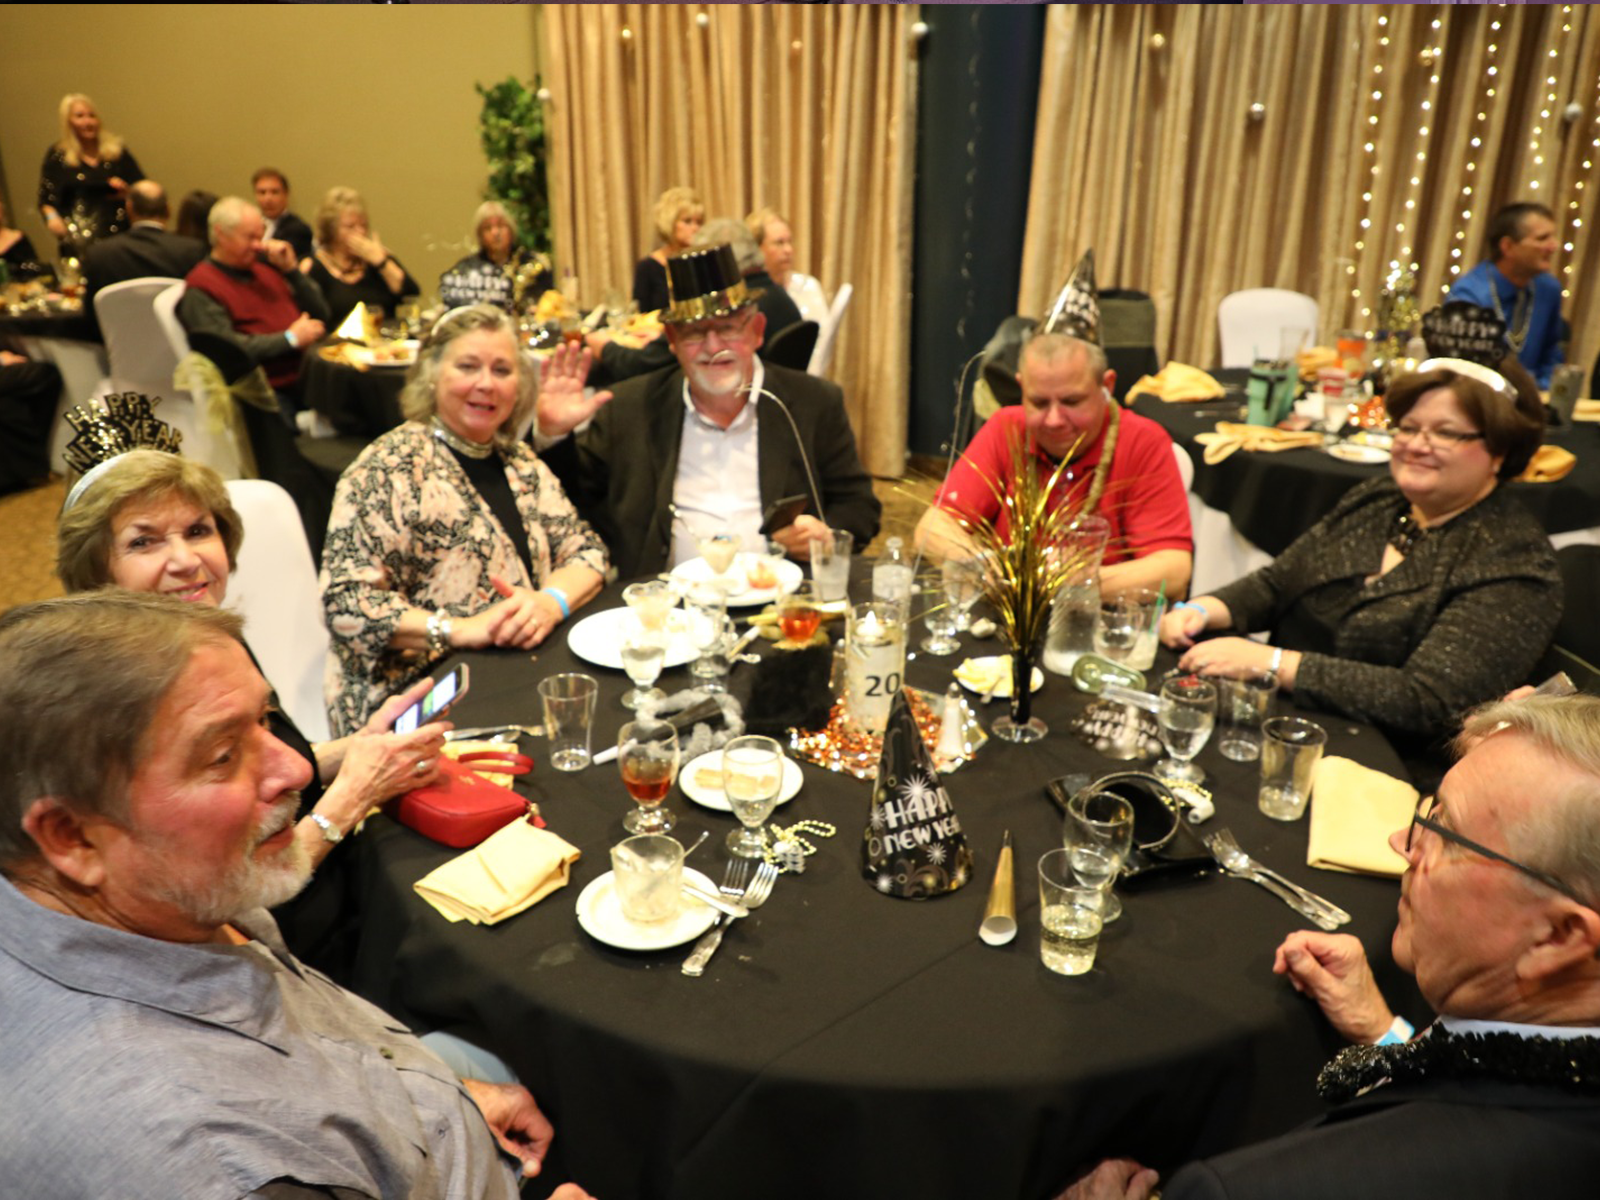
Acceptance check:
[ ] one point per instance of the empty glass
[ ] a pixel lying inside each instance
(830, 564)
(941, 621)
(647, 756)
(752, 777)
(963, 586)
(643, 654)
(1188, 714)
(705, 609)
(1097, 835)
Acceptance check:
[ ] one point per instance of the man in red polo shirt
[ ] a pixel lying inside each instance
(1067, 415)
(267, 308)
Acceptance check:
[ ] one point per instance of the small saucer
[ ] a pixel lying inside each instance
(600, 914)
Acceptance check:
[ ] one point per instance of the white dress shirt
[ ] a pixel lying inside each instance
(719, 477)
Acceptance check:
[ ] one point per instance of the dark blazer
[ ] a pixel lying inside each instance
(296, 232)
(1429, 1140)
(142, 251)
(620, 471)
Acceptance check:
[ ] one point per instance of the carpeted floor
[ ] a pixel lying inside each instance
(27, 566)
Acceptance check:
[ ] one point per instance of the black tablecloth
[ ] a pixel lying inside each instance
(1273, 498)
(357, 403)
(844, 1043)
(73, 326)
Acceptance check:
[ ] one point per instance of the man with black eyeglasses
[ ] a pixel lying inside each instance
(1500, 1096)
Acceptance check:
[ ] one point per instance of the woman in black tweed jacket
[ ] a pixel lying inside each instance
(1418, 596)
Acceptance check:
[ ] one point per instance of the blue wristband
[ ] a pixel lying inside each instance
(560, 598)
(1400, 1031)
(1199, 608)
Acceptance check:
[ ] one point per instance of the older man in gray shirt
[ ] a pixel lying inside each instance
(158, 1039)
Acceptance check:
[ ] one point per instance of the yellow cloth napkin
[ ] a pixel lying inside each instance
(1230, 436)
(1586, 410)
(1315, 358)
(1549, 464)
(1178, 383)
(1354, 809)
(509, 871)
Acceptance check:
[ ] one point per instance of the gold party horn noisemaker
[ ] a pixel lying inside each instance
(1000, 913)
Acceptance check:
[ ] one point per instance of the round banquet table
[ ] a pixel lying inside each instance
(1274, 498)
(843, 1043)
(356, 403)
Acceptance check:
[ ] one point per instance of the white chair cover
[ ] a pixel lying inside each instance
(822, 354)
(275, 589)
(1251, 322)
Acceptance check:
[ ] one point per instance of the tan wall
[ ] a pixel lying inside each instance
(379, 98)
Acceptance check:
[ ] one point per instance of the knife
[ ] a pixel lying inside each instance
(721, 903)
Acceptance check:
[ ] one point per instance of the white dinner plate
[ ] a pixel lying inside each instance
(789, 576)
(403, 356)
(1003, 692)
(598, 638)
(600, 913)
(714, 797)
(1356, 452)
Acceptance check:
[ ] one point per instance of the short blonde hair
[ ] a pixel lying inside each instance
(335, 204)
(71, 149)
(420, 398)
(675, 203)
(758, 221)
(83, 533)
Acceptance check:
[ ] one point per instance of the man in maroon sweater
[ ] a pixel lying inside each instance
(267, 308)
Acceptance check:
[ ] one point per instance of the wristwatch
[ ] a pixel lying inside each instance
(330, 831)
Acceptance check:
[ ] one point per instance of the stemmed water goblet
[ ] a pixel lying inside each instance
(1188, 714)
(963, 585)
(643, 654)
(647, 756)
(719, 548)
(1098, 834)
(706, 610)
(652, 603)
(752, 777)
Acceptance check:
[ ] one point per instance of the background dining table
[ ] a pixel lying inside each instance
(845, 1043)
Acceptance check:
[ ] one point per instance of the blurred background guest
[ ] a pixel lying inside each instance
(17, 252)
(679, 214)
(150, 521)
(448, 532)
(28, 395)
(1515, 281)
(488, 276)
(1420, 595)
(776, 239)
(85, 178)
(272, 198)
(350, 264)
(193, 212)
(147, 248)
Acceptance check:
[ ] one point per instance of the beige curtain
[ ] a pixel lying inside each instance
(810, 109)
(1361, 154)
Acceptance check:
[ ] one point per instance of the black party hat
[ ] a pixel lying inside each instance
(1076, 311)
(913, 847)
(1461, 329)
(705, 283)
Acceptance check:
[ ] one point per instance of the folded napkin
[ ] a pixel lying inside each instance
(1549, 464)
(509, 871)
(1354, 809)
(1230, 436)
(1315, 358)
(1177, 383)
(1586, 410)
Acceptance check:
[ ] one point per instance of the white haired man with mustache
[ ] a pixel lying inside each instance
(158, 1038)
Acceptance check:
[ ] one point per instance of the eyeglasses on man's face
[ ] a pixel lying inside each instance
(1426, 815)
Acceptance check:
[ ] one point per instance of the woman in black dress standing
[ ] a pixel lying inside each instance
(85, 179)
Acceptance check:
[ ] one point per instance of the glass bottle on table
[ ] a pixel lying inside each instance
(647, 756)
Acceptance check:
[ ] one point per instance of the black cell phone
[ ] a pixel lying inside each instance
(434, 705)
(781, 513)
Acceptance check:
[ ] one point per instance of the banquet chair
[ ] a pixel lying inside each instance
(828, 334)
(1251, 322)
(274, 588)
(1128, 336)
(791, 347)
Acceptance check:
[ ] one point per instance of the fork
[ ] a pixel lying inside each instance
(1234, 861)
(1236, 854)
(753, 896)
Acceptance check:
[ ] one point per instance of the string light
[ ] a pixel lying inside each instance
(1475, 142)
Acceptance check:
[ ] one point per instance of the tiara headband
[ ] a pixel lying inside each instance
(1487, 376)
(109, 428)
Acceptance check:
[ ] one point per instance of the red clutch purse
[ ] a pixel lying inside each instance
(462, 807)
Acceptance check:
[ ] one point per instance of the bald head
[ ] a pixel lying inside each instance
(147, 201)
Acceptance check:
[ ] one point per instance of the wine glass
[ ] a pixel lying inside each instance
(706, 610)
(1188, 714)
(647, 756)
(1098, 834)
(798, 616)
(643, 654)
(719, 549)
(963, 585)
(652, 604)
(752, 776)
(941, 621)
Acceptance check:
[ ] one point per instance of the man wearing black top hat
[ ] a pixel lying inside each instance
(713, 442)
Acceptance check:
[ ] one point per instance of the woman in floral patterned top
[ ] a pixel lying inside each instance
(447, 533)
